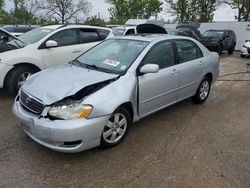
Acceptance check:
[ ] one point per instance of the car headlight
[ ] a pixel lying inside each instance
(70, 109)
(244, 46)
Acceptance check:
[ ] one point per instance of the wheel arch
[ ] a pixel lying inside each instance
(128, 106)
(20, 65)
(210, 76)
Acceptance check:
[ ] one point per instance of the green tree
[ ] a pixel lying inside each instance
(187, 10)
(123, 10)
(94, 20)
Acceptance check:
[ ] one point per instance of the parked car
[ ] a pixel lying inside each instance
(18, 30)
(219, 40)
(45, 47)
(186, 32)
(93, 100)
(131, 27)
(6, 37)
(245, 50)
(124, 30)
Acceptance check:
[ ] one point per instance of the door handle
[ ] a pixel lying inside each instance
(76, 51)
(201, 63)
(174, 72)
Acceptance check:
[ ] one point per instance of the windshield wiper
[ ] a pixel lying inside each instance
(91, 67)
(76, 63)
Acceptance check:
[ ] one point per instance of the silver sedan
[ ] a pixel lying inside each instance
(93, 100)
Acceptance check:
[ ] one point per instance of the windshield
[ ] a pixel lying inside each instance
(34, 35)
(112, 56)
(118, 31)
(213, 34)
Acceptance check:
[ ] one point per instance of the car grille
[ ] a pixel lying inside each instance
(206, 43)
(31, 104)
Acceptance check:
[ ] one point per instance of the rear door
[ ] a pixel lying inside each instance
(191, 65)
(156, 90)
(91, 37)
(227, 40)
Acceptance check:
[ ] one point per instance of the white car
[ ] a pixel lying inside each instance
(124, 30)
(45, 47)
(245, 50)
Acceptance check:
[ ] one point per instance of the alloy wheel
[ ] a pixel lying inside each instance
(115, 128)
(22, 78)
(204, 89)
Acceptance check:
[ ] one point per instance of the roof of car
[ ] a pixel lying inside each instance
(151, 37)
(220, 30)
(71, 26)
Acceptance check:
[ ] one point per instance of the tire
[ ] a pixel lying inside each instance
(220, 49)
(204, 87)
(15, 78)
(231, 50)
(113, 133)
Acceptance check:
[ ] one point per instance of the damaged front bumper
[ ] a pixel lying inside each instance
(61, 135)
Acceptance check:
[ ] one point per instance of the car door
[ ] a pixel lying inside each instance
(227, 40)
(90, 37)
(157, 90)
(190, 67)
(68, 48)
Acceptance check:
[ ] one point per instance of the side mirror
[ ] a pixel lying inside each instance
(51, 44)
(5, 38)
(149, 68)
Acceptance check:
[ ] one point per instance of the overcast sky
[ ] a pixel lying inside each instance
(223, 13)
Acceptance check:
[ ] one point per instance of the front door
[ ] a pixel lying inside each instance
(68, 48)
(157, 90)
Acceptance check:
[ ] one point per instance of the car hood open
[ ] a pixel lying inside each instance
(151, 29)
(57, 83)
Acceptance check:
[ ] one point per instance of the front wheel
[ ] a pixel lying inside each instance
(116, 128)
(17, 77)
(203, 91)
(220, 49)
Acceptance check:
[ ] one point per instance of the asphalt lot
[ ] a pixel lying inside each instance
(185, 145)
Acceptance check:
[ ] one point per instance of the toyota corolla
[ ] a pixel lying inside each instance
(93, 100)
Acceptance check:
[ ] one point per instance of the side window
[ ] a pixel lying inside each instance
(103, 33)
(130, 32)
(66, 37)
(187, 51)
(89, 35)
(162, 55)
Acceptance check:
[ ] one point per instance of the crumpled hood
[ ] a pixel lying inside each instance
(57, 83)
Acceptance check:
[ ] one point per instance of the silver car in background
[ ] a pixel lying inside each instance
(94, 99)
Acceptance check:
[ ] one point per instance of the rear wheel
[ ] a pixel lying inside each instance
(231, 50)
(116, 128)
(203, 91)
(16, 77)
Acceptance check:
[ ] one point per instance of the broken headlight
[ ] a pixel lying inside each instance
(70, 109)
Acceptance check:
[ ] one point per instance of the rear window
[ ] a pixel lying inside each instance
(89, 35)
(103, 33)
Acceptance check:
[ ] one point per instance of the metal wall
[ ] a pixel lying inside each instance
(241, 29)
